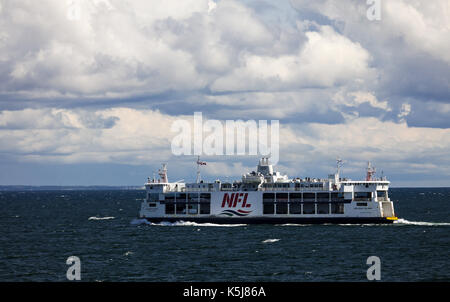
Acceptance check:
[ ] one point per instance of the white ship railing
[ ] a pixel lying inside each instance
(198, 190)
(307, 190)
(295, 189)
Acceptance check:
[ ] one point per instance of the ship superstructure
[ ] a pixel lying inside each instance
(267, 196)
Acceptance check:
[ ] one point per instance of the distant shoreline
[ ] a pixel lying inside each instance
(66, 188)
(9, 188)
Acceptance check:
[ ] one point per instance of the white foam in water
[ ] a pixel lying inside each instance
(422, 223)
(139, 221)
(360, 224)
(183, 223)
(189, 223)
(100, 218)
(270, 240)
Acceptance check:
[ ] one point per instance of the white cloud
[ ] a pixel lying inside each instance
(326, 59)
(425, 27)
(422, 25)
(119, 135)
(359, 97)
(405, 111)
(394, 147)
(409, 49)
(142, 137)
(106, 51)
(116, 51)
(211, 6)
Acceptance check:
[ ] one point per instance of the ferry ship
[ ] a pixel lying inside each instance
(266, 196)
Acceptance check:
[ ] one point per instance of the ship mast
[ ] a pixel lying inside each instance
(370, 171)
(199, 163)
(339, 164)
(163, 174)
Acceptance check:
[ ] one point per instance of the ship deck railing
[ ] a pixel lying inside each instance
(294, 189)
(185, 190)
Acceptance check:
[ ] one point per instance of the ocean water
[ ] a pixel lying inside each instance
(39, 230)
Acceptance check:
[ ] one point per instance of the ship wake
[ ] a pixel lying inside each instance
(402, 221)
(183, 223)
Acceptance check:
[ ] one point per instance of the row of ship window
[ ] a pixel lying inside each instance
(299, 197)
(183, 208)
(268, 197)
(279, 197)
(181, 197)
(273, 203)
(268, 208)
(334, 196)
(296, 185)
(303, 208)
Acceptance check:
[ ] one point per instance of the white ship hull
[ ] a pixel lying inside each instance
(271, 202)
(248, 208)
(276, 220)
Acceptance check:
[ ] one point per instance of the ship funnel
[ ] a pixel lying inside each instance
(264, 167)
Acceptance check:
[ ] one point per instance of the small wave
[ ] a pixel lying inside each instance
(100, 218)
(292, 224)
(422, 223)
(270, 240)
(128, 253)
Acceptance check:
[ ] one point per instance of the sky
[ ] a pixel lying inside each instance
(89, 89)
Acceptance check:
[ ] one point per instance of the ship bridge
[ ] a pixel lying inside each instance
(264, 174)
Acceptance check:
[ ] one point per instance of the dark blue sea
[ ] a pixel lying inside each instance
(39, 230)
